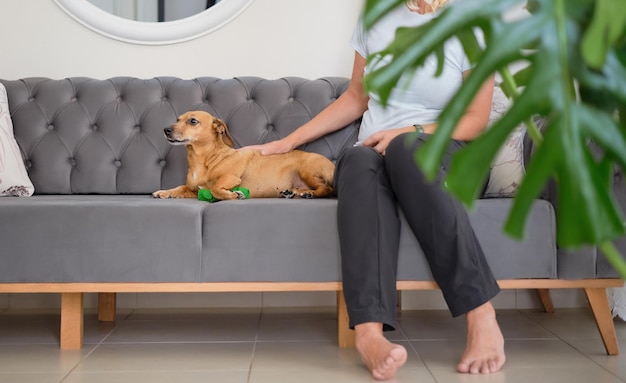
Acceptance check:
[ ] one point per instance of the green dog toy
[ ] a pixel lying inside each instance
(205, 194)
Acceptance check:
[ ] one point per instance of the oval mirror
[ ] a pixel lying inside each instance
(153, 33)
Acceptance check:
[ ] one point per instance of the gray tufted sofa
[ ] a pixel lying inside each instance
(95, 150)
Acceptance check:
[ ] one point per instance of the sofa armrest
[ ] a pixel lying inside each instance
(587, 261)
(604, 268)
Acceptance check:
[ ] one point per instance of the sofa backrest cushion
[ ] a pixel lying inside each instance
(87, 136)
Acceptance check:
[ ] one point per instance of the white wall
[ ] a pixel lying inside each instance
(271, 39)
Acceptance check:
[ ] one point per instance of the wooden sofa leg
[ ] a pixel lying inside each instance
(345, 335)
(107, 307)
(599, 303)
(71, 321)
(546, 300)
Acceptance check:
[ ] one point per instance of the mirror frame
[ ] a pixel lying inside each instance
(147, 33)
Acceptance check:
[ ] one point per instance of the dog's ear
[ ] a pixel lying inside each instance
(222, 130)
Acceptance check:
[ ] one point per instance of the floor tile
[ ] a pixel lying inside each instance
(519, 353)
(32, 327)
(293, 345)
(23, 329)
(433, 325)
(169, 357)
(594, 349)
(572, 323)
(38, 358)
(197, 314)
(159, 377)
(314, 356)
(284, 356)
(338, 375)
(297, 328)
(525, 375)
(221, 328)
(31, 377)
(95, 332)
(515, 325)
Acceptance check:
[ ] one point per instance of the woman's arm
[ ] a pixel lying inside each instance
(348, 107)
(476, 118)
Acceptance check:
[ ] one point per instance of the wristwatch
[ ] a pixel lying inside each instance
(418, 128)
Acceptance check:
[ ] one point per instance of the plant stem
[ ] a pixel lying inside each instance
(510, 87)
(614, 257)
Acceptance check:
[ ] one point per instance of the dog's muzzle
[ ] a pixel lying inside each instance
(169, 135)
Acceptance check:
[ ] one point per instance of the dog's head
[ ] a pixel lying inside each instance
(198, 127)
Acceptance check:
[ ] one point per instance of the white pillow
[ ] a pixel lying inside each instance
(14, 180)
(507, 169)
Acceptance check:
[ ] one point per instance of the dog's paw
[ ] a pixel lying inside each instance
(239, 194)
(306, 195)
(287, 194)
(160, 194)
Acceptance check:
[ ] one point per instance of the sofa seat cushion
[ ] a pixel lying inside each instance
(296, 240)
(89, 238)
(277, 240)
(533, 257)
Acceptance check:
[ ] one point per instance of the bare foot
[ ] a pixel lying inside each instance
(484, 353)
(381, 357)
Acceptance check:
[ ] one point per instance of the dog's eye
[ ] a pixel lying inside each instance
(193, 121)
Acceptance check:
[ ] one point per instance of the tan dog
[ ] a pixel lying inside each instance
(215, 165)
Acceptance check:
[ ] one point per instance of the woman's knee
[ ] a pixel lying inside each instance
(359, 155)
(357, 159)
(401, 150)
(355, 164)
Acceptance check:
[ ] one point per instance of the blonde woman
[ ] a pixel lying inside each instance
(378, 176)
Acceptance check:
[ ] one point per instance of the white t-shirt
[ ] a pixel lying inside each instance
(417, 99)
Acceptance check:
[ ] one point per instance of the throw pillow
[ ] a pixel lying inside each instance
(507, 169)
(14, 180)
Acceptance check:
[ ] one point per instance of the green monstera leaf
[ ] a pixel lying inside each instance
(574, 77)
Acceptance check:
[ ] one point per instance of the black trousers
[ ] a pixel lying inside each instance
(370, 189)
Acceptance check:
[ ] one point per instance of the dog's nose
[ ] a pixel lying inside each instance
(168, 131)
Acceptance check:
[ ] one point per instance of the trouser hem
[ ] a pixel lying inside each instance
(358, 317)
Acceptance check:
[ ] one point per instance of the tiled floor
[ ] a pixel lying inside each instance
(293, 346)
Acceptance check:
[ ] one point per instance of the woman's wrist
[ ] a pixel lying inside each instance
(424, 128)
(290, 142)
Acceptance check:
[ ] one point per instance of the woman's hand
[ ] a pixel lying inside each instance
(274, 147)
(380, 140)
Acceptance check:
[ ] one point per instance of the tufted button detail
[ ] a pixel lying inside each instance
(28, 164)
(72, 161)
(94, 127)
(290, 99)
(269, 127)
(74, 99)
(117, 163)
(137, 128)
(50, 127)
(162, 162)
(31, 99)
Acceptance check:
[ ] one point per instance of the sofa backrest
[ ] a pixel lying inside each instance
(87, 136)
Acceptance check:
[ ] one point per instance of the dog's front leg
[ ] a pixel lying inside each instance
(181, 191)
(221, 189)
